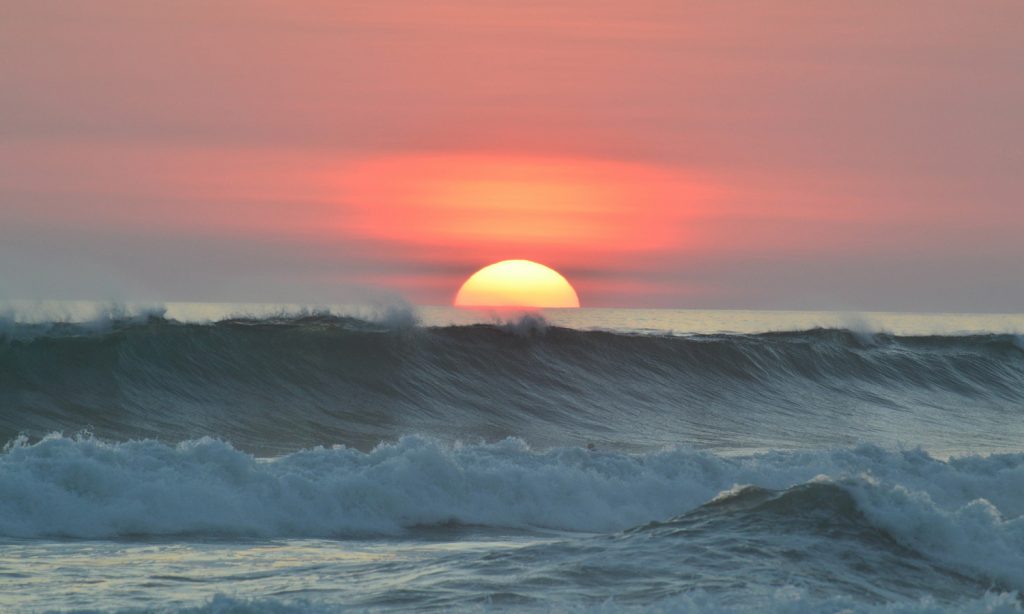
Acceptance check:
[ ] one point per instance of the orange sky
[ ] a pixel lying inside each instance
(754, 154)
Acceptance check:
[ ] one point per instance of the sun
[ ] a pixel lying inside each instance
(516, 283)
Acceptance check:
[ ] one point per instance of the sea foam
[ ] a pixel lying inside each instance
(966, 511)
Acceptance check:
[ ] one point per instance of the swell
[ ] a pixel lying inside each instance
(280, 384)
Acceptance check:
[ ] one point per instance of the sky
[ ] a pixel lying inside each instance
(862, 155)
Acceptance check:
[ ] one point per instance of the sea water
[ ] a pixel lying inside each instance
(277, 458)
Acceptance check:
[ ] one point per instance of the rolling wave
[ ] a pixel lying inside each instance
(280, 384)
(896, 519)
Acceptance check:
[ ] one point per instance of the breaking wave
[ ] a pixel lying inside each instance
(902, 506)
(275, 385)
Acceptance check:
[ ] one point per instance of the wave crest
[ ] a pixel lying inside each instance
(278, 384)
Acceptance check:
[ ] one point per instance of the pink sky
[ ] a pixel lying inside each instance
(846, 155)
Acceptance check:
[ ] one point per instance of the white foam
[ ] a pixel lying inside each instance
(966, 511)
(972, 537)
(86, 488)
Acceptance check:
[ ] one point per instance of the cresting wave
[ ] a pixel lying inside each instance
(282, 384)
(964, 513)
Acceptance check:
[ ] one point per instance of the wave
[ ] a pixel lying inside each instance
(273, 385)
(965, 513)
(786, 600)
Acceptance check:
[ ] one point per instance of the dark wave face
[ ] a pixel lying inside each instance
(280, 384)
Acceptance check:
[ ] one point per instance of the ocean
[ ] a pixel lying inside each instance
(277, 458)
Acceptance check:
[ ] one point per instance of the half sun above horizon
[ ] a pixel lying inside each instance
(516, 283)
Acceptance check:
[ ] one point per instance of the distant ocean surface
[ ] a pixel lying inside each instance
(279, 458)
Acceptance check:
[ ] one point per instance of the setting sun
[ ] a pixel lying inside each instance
(516, 283)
